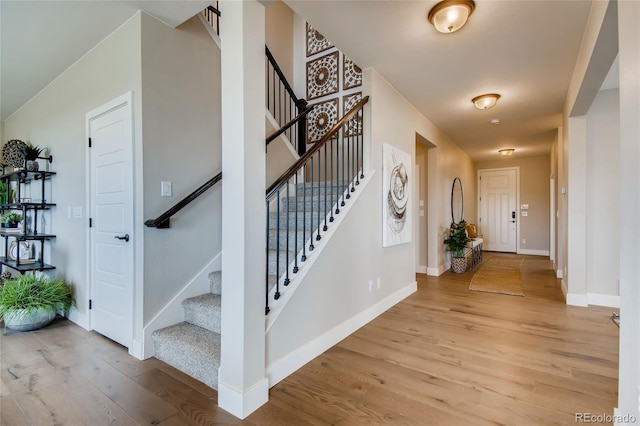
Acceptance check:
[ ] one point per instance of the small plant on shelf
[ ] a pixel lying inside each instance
(29, 302)
(3, 193)
(31, 153)
(10, 219)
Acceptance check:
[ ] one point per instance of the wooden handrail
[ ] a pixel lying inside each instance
(284, 178)
(289, 124)
(164, 220)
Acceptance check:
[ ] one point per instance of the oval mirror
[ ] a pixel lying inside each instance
(457, 201)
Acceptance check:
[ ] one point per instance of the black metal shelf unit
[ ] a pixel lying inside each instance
(29, 227)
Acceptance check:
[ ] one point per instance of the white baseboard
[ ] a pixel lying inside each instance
(241, 404)
(603, 300)
(534, 252)
(421, 269)
(80, 319)
(173, 312)
(574, 299)
(282, 368)
(563, 286)
(137, 349)
(435, 272)
(559, 273)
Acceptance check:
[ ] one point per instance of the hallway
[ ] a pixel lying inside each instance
(444, 355)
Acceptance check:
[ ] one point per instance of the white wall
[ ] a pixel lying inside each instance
(603, 191)
(55, 118)
(182, 144)
(336, 288)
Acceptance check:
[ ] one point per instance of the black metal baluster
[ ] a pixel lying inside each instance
(295, 234)
(277, 295)
(344, 179)
(266, 306)
(353, 165)
(357, 155)
(349, 174)
(337, 194)
(286, 265)
(311, 210)
(361, 137)
(304, 213)
(331, 196)
(324, 228)
(318, 237)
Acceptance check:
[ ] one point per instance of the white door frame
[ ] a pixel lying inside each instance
(518, 217)
(136, 301)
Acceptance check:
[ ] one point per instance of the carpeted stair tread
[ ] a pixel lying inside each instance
(282, 260)
(191, 349)
(203, 311)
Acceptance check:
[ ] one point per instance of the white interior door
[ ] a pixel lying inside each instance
(498, 214)
(111, 209)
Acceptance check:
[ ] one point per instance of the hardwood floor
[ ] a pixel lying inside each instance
(443, 356)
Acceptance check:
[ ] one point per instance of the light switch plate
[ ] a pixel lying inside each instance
(524, 206)
(525, 213)
(77, 212)
(165, 188)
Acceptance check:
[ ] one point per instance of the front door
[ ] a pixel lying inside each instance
(111, 210)
(498, 215)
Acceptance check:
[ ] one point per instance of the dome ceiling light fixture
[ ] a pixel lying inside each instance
(449, 16)
(506, 152)
(486, 101)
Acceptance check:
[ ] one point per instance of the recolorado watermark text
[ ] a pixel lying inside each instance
(626, 419)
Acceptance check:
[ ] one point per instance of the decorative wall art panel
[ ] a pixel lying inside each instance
(351, 74)
(316, 42)
(396, 192)
(322, 76)
(321, 119)
(354, 126)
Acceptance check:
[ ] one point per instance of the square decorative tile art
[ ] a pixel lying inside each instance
(321, 119)
(351, 74)
(316, 42)
(322, 76)
(354, 126)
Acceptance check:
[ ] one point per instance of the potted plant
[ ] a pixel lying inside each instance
(10, 219)
(31, 153)
(3, 194)
(457, 241)
(29, 302)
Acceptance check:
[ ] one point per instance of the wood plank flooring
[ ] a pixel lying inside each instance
(443, 356)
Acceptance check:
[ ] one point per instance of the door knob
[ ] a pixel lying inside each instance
(125, 237)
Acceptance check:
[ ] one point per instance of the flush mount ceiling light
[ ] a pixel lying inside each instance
(486, 101)
(449, 16)
(506, 152)
(495, 121)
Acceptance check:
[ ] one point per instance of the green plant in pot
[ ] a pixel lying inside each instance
(31, 153)
(10, 219)
(29, 302)
(3, 193)
(457, 241)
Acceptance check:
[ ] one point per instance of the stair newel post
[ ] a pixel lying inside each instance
(301, 105)
(266, 277)
(288, 213)
(295, 241)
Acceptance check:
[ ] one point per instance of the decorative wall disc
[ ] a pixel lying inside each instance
(354, 126)
(316, 42)
(351, 74)
(321, 119)
(322, 76)
(12, 153)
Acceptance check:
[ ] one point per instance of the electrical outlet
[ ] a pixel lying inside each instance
(525, 213)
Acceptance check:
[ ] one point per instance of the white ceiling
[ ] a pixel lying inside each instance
(40, 39)
(525, 50)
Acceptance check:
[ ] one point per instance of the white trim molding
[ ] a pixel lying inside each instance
(282, 368)
(242, 404)
(534, 252)
(603, 300)
(577, 299)
(435, 272)
(421, 269)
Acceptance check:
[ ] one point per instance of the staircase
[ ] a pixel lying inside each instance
(193, 346)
